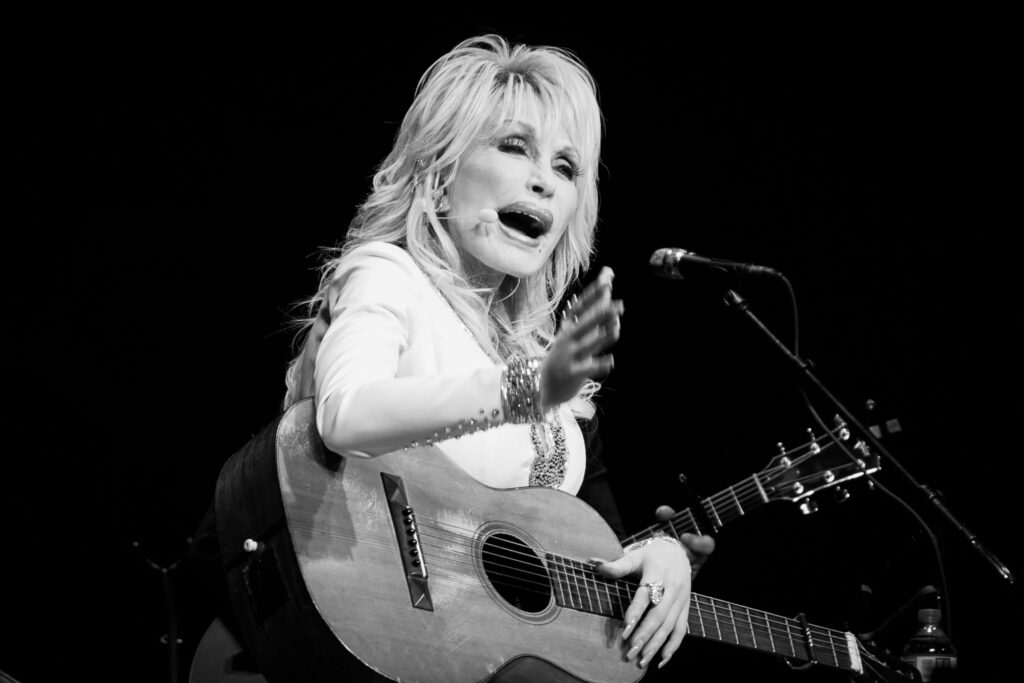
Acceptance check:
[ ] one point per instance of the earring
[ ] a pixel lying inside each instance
(438, 197)
(441, 201)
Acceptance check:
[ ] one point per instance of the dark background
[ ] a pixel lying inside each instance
(172, 196)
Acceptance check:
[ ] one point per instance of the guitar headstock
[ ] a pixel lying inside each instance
(821, 463)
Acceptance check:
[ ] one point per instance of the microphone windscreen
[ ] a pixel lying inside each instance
(488, 216)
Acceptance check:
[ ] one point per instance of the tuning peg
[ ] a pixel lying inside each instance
(808, 507)
(841, 494)
(840, 429)
(815, 448)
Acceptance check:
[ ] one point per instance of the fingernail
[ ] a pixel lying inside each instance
(595, 560)
(629, 629)
(664, 661)
(632, 652)
(643, 662)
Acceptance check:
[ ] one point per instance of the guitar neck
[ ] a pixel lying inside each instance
(723, 507)
(577, 586)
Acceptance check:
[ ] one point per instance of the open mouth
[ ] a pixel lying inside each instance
(531, 222)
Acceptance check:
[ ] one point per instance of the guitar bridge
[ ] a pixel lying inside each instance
(403, 518)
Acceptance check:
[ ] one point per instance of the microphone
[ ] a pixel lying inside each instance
(488, 216)
(679, 264)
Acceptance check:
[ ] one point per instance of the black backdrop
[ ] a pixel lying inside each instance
(174, 196)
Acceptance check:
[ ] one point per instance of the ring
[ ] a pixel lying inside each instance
(570, 310)
(656, 589)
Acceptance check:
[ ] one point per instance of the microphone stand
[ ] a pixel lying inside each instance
(737, 302)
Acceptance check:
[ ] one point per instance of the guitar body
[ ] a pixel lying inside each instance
(327, 590)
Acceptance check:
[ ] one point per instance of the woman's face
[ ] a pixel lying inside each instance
(527, 174)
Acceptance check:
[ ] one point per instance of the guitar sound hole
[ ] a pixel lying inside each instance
(516, 573)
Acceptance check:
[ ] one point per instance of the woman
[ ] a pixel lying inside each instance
(436, 322)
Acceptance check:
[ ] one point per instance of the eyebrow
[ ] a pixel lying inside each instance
(529, 129)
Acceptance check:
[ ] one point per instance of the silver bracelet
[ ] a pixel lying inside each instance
(520, 391)
(647, 541)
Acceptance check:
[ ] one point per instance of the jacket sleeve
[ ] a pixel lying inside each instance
(363, 408)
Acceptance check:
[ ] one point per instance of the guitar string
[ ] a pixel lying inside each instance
(461, 530)
(460, 533)
(745, 492)
(763, 627)
(747, 487)
(773, 626)
(617, 585)
(881, 672)
(544, 587)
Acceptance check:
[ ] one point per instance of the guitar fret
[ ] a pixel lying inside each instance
(757, 482)
(827, 653)
(575, 599)
(556, 579)
(832, 645)
(753, 631)
(695, 608)
(606, 599)
(692, 519)
(578, 568)
(789, 634)
(736, 625)
(718, 620)
(577, 586)
(766, 625)
(619, 592)
(737, 499)
(672, 529)
(714, 513)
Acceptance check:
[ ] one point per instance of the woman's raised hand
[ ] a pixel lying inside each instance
(589, 327)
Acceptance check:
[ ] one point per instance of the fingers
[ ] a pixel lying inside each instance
(699, 546)
(664, 513)
(661, 626)
(637, 606)
(676, 639)
(595, 290)
(599, 331)
(625, 565)
(604, 313)
(669, 629)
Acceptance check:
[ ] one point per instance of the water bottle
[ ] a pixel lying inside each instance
(930, 650)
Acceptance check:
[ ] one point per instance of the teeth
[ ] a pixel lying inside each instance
(523, 221)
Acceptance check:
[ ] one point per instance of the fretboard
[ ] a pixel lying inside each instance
(577, 586)
(723, 507)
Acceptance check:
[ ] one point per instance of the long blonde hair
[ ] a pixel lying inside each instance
(459, 101)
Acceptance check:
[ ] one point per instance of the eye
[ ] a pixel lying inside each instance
(514, 144)
(568, 168)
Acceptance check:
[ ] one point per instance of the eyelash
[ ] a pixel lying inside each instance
(516, 144)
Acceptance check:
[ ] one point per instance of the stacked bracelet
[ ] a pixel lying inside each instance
(640, 544)
(520, 391)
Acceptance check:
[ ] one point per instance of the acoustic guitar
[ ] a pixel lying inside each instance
(404, 568)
